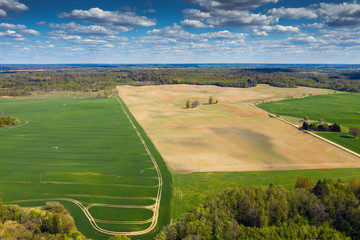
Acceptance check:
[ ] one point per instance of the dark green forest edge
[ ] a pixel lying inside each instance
(93, 79)
(51, 221)
(329, 210)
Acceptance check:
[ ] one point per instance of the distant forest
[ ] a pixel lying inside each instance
(93, 79)
(329, 210)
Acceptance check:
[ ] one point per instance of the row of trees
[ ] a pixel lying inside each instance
(196, 103)
(323, 127)
(329, 210)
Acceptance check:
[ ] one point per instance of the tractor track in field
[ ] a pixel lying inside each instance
(155, 207)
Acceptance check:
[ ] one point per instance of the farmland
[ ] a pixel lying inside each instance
(231, 135)
(86, 154)
(343, 109)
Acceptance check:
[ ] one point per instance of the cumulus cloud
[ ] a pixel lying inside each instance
(223, 35)
(2, 13)
(280, 29)
(175, 32)
(117, 18)
(304, 39)
(293, 13)
(227, 13)
(196, 14)
(345, 14)
(234, 18)
(30, 32)
(10, 33)
(11, 6)
(74, 28)
(63, 36)
(12, 26)
(231, 4)
(313, 25)
(192, 23)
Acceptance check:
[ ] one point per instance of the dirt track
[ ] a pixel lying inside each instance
(229, 136)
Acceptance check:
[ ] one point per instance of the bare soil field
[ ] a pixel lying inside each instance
(231, 135)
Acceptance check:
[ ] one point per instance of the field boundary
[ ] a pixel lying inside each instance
(158, 197)
(310, 133)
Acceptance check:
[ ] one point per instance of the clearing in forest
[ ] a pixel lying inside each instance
(231, 135)
(92, 156)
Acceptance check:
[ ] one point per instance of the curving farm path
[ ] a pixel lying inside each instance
(155, 207)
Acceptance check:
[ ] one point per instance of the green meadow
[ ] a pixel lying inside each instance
(343, 109)
(85, 150)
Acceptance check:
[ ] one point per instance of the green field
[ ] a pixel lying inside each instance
(191, 190)
(343, 109)
(84, 150)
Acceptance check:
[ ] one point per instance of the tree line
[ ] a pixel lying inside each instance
(104, 78)
(328, 210)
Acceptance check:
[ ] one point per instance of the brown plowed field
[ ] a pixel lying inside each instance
(231, 135)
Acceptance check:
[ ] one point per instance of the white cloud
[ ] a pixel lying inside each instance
(117, 18)
(11, 6)
(30, 32)
(223, 35)
(193, 23)
(227, 13)
(313, 25)
(175, 32)
(11, 26)
(258, 33)
(10, 33)
(2, 13)
(63, 36)
(234, 18)
(231, 4)
(293, 13)
(304, 39)
(345, 14)
(74, 28)
(196, 14)
(280, 29)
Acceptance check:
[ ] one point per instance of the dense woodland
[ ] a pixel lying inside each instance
(329, 210)
(51, 221)
(19, 83)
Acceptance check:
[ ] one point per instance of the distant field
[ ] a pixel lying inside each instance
(343, 109)
(231, 135)
(191, 190)
(84, 150)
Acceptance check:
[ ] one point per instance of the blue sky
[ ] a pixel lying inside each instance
(179, 31)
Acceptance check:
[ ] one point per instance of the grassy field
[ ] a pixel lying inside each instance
(190, 190)
(343, 109)
(84, 150)
(231, 135)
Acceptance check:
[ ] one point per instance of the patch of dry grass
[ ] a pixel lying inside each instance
(229, 136)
